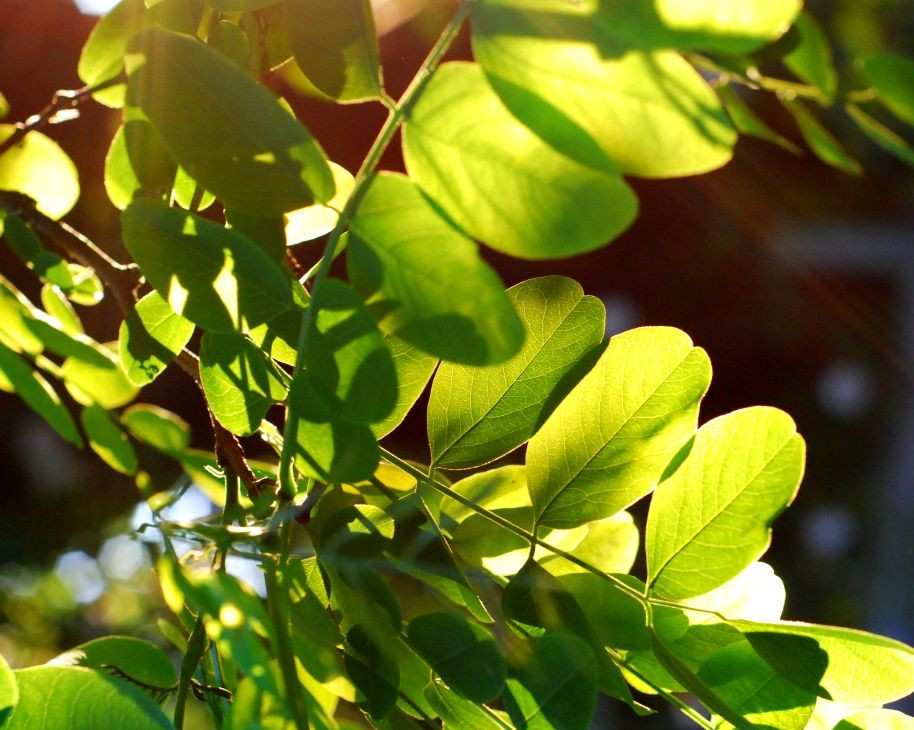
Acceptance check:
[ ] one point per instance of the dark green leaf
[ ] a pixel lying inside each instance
(500, 182)
(463, 654)
(213, 276)
(17, 376)
(741, 471)
(822, 143)
(555, 688)
(608, 443)
(476, 414)
(881, 135)
(893, 78)
(25, 244)
(747, 122)
(425, 280)
(811, 59)
(239, 382)
(375, 675)
(72, 698)
(335, 46)
(151, 336)
(226, 130)
(107, 440)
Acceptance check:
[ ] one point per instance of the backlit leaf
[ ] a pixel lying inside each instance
(413, 369)
(749, 123)
(98, 380)
(576, 84)
(500, 182)
(39, 168)
(83, 699)
(881, 135)
(226, 130)
(213, 276)
(239, 382)
(712, 517)
(459, 714)
(876, 719)
(17, 376)
(107, 440)
(336, 47)
(425, 280)
(843, 665)
(151, 336)
(610, 440)
(9, 690)
(156, 427)
(476, 414)
(137, 658)
(811, 60)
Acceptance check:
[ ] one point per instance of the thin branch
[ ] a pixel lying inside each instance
(63, 107)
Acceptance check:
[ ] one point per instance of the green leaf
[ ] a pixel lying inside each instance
(375, 675)
(500, 182)
(98, 380)
(58, 306)
(893, 78)
(747, 122)
(25, 244)
(102, 57)
(240, 6)
(39, 168)
(505, 486)
(314, 221)
(336, 47)
(231, 41)
(740, 472)
(229, 132)
(477, 414)
(138, 659)
(156, 427)
(72, 698)
(457, 713)
(15, 313)
(822, 143)
(213, 276)
(811, 59)
(611, 545)
(346, 356)
(151, 336)
(9, 691)
(107, 440)
(555, 688)
(413, 369)
(573, 81)
(425, 280)
(4, 107)
(721, 667)
(881, 135)
(17, 376)
(719, 25)
(239, 382)
(876, 719)
(609, 441)
(328, 446)
(463, 654)
(843, 665)
(756, 594)
(618, 619)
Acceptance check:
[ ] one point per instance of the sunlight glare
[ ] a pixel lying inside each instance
(95, 7)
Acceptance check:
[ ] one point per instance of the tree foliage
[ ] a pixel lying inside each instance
(397, 597)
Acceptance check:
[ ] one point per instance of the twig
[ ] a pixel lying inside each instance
(62, 101)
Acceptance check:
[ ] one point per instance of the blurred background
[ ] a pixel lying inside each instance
(798, 280)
